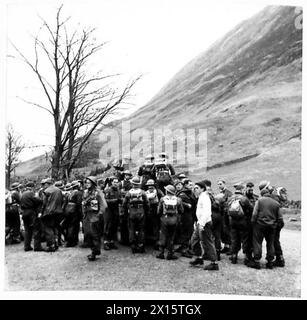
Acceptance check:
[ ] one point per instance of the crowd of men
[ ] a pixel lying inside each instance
(155, 208)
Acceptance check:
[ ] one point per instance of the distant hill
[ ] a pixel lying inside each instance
(246, 90)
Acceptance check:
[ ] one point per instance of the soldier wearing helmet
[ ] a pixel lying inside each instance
(146, 171)
(93, 206)
(169, 209)
(136, 207)
(152, 220)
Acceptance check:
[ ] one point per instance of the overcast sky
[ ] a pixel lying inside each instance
(155, 38)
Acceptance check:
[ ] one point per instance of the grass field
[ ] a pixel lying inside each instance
(119, 270)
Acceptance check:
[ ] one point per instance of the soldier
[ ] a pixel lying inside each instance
(125, 186)
(240, 211)
(189, 202)
(73, 214)
(266, 216)
(52, 208)
(136, 207)
(30, 204)
(146, 171)
(170, 207)
(111, 215)
(280, 195)
(13, 214)
(93, 205)
(152, 219)
(203, 228)
(163, 171)
(225, 225)
(252, 197)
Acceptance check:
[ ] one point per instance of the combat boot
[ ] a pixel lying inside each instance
(254, 264)
(218, 255)
(106, 246)
(197, 261)
(171, 256)
(247, 259)
(160, 255)
(91, 257)
(212, 267)
(279, 262)
(141, 249)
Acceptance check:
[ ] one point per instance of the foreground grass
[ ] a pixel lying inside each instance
(68, 269)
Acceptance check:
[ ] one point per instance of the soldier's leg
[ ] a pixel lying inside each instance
(132, 224)
(49, 227)
(37, 234)
(28, 225)
(96, 238)
(15, 225)
(279, 261)
(257, 246)
(269, 234)
(107, 223)
(226, 239)
(114, 228)
(207, 242)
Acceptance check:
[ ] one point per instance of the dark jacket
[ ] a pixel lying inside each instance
(189, 202)
(252, 198)
(53, 201)
(113, 197)
(29, 203)
(224, 204)
(267, 212)
(15, 197)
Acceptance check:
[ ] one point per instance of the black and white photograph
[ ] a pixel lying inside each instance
(152, 147)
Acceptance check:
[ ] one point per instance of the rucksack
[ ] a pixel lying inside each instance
(147, 168)
(152, 196)
(162, 172)
(170, 205)
(235, 209)
(135, 203)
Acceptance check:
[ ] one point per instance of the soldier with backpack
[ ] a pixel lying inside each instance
(240, 211)
(136, 207)
(146, 171)
(125, 186)
(163, 171)
(170, 207)
(152, 226)
(93, 206)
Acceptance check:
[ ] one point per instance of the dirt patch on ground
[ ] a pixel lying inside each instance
(119, 270)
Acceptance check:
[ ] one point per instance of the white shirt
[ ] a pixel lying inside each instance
(203, 210)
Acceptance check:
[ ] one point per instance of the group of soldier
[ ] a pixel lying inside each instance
(155, 207)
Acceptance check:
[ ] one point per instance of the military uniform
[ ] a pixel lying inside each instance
(226, 239)
(13, 215)
(93, 205)
(111, 216)
(52, 209)
(170, 207)
(136, 207)
(29, 207)
(240, 225)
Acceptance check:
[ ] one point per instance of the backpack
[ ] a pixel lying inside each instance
(136, 203)
(162, 172)
(147, 168)
(235, 209)
(152, 197)
(170, 205)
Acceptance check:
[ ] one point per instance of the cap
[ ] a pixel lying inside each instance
(239, 186)
(250, 184)
(182, 176)
(135, 181)
(59, 184)
(128, 172)
(75, 183)
(15, 185)
(68, 187)
(30, 184)
(202, 184)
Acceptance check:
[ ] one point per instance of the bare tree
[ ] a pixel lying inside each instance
(14, 146)
(77, 99)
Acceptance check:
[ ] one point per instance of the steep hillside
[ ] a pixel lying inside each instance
(246, 91)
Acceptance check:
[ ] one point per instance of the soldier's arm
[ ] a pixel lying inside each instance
(125, 203)
(255, 212)
(140, 171)
(145, 202)
(172, 170)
